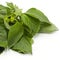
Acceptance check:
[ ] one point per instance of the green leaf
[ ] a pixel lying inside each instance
(15, 9)
(10, 5)
(37, 14)
(15, 33)
(3, 10)
(18, 11)
(7, 25)
(46, 25)
(24, 45)
(3, 38)
(48, 28)
(32, 23)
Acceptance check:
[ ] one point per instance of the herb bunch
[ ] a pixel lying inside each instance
(17, 29)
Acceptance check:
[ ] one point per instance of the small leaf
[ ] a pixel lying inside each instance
(10, 5)
(15, 9)
(18, 11)
(3, 10)
(7, 25)
(15, 33)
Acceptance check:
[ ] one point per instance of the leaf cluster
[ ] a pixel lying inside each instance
(17, 29)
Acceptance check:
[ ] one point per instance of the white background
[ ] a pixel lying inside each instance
(46, 46)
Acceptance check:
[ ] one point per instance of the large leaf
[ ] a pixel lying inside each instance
(46, 25)
(3, 38)
(37, 14)
(32, 23)
(24, 45)
(15, 33)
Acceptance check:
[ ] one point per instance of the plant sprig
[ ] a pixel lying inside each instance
(17, 29)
